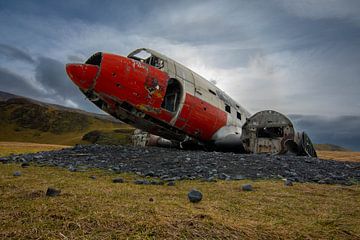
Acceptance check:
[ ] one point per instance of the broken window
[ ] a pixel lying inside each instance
(155, 61)
(141, 55)
(211, 91)
(227, 108)
(270, 132)
(95, 59)
(172, 96)
(146, 57)
(238, 115)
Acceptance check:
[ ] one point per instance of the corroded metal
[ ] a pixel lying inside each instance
(169, 101)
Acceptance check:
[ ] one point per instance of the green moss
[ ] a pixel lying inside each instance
(112, 137)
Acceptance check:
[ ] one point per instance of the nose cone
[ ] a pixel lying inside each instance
(83, 75)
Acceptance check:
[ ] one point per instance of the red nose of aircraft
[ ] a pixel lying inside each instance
(83, 75)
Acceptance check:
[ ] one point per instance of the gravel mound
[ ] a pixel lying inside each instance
(174, 164)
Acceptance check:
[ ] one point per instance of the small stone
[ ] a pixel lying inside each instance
(195, 196)
(149, 174)
(155, 182)
(151, 199)
(72, 169)
(246, 187)
(238, 177)
(211, 179)
(141, 182)
(25, 165)
(92, 177)
(172, 183)
(17, 174)
(52, 192)
(118, 180)
(288, 182)
(224, 176)
(3, 160)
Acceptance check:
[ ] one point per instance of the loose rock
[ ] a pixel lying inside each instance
(288, 182)
(53, 192)
(118, 180)
(238, 177)
(172, 183)
(175, 164)
(17, 174)
(25, 165)
(195, 196)
(141, 182)
(246, 187)
(93, 177)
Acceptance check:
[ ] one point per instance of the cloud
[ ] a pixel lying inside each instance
(340, 130)
(13, 53)
(50, 85)
(75, 58)
(290, 56)
(15, 83)
(324, 9)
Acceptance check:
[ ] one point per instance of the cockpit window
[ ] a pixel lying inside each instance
(141, 55)
(146, 57)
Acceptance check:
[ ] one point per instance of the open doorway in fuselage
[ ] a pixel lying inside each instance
(172, 96)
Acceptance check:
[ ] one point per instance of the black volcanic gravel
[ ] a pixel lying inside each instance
(174, 164)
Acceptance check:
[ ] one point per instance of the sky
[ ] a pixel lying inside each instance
(298, 57)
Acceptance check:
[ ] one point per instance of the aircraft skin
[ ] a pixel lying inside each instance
(159, 95)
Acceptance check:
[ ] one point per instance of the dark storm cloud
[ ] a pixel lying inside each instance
(50, 85)
(342, 130)
(13, 53)
(14, 83)
(75, 58)
(51, 74)
(292, 56)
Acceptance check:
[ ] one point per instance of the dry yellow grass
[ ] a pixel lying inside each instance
(7, 148)
(100, 209)
(339, 155)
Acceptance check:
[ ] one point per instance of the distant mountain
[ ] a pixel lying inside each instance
(331, 147)
(5, 96)
(340, 130)
(29, 120)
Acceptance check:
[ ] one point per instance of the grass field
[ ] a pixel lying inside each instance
(100, 209)
(7, 148)
(66, 138)
(340, 156)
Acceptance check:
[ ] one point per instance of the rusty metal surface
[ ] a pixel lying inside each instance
(163, 97)
(266, 132)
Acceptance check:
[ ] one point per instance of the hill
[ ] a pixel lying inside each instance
(330, 147)
(28, 120)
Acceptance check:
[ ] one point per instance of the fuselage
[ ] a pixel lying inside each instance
(159, 95)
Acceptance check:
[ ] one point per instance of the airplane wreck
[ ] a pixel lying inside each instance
(164, 98)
